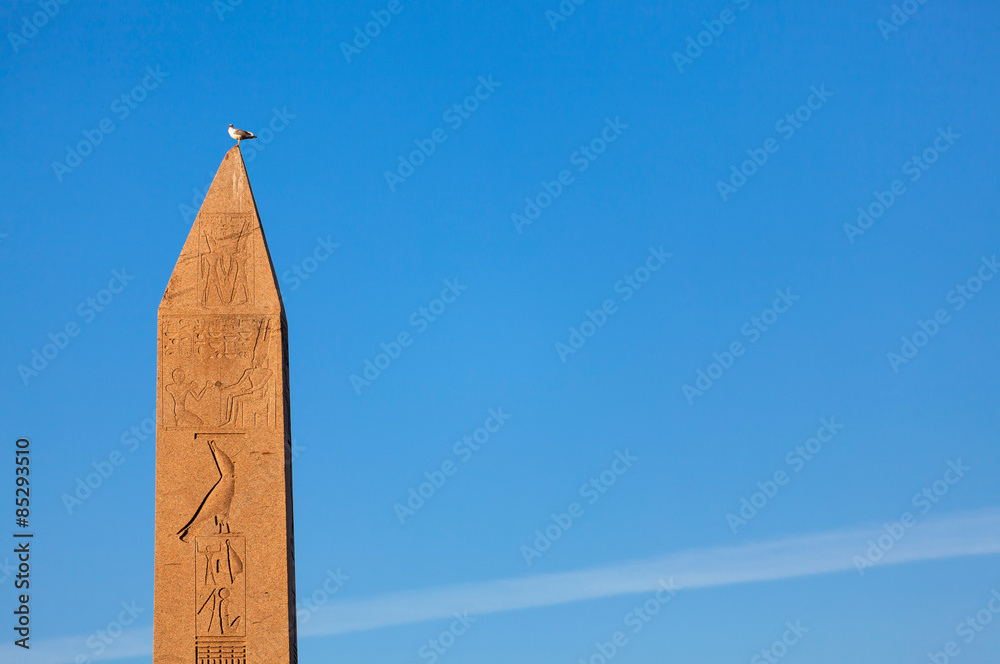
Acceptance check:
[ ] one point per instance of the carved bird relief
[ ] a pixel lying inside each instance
(212, 516)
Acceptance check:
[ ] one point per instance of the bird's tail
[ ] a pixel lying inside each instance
(249, 137)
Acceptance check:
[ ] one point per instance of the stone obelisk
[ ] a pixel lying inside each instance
(225, 562)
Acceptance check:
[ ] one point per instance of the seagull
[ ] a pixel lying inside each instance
(239, 134)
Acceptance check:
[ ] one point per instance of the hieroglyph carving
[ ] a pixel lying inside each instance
(220, 567)
(220, 600)
(232, 384)
(212, 515)
(225, 260)
(220, 586)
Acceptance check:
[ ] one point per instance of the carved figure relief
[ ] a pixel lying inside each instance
(233, 383)
(250, 399)
(226, 261)
(212, 515)
(180, 390)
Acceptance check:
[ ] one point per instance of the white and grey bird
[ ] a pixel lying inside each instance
(239, 134)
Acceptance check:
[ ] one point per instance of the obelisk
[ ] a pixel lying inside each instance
(225, 561)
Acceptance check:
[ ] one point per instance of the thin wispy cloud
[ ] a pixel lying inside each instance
(133, 642)
(966, 534)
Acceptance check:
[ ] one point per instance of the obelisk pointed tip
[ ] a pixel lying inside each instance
(225, 261)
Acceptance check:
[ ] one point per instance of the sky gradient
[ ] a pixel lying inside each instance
(581, 298)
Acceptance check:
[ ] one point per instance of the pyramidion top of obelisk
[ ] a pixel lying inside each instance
(225, 266)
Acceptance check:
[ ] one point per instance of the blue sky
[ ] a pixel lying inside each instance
(849, 365)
